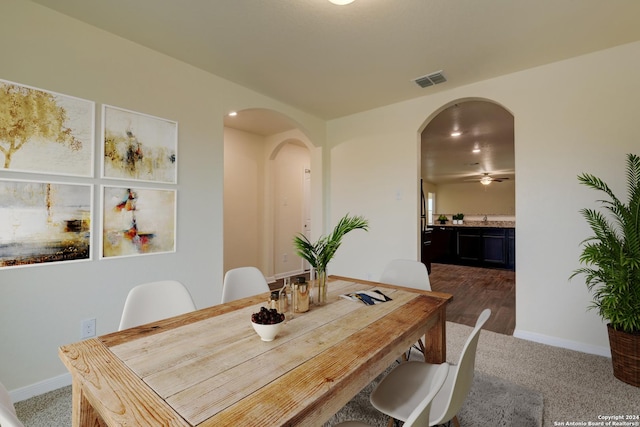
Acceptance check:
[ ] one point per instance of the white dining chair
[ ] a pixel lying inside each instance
(154, 301)
(411, 274)
(419, 416)
(8, 417)
(243, 282)
(402, 389)
(406, 272)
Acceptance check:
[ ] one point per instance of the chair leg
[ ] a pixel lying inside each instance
(420, 343)
(391, 422)
(456, 423)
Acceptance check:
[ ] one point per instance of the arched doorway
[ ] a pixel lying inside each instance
(466, 141)
(468, 167)
(265, 160)
(290, 164)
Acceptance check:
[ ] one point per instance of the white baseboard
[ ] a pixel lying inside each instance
(558, 342)
(41, 387)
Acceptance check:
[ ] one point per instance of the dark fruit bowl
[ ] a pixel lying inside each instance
(267, 323)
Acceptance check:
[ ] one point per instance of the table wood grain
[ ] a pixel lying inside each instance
(209, 367)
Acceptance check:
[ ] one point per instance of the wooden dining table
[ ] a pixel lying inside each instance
(210, 368)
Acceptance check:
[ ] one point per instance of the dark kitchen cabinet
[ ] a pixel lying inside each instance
(474, 246)
(469, 245)
(494, 250)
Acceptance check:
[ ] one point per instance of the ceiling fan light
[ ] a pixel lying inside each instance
(341, 2)
(485, 180)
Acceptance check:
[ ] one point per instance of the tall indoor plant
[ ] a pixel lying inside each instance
(612, 268)
(319, 254)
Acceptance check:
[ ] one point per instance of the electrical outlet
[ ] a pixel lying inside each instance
(284, 257)
(88, 328)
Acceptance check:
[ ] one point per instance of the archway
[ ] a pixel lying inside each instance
(468, 166)
(290, 165)
(466, 142)
(263, 196)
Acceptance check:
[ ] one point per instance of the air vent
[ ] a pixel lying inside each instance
(431, 79)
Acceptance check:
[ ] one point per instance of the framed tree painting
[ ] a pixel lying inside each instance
(44, 222)
(138, 146)
(45, 132)
(137, 221)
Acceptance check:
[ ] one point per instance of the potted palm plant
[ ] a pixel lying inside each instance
(611, 259)
(319, 254)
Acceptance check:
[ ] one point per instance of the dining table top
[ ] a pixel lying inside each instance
(209, 367)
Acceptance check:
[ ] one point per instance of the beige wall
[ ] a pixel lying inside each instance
(41, 307)
(263, 201)
(243, 198)
(566, 122)
(497, 198)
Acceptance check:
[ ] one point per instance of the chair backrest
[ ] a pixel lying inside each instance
(459, 385)
(154, 301)
(8, 416)
(420, 415)
(406, 272)
(243, 282)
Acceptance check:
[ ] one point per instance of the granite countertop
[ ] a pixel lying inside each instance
(489, 224)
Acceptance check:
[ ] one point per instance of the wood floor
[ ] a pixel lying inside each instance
(475, 289)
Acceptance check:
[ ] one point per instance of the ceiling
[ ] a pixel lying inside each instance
(484, 126)
(331, 61)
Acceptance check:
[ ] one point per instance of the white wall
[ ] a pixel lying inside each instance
(567, 121)
(41, 307)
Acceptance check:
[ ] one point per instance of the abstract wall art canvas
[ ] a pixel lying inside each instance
(45, 132)
(137, 221)
(44, 222)
(137, 146)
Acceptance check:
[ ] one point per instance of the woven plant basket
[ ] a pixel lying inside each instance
(625, 355)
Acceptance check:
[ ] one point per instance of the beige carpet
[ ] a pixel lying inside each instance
(492, 401)
(576, 387)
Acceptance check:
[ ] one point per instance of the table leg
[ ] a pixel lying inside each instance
(82, 412)
(436, 339)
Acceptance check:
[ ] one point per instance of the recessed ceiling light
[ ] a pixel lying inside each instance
(341, 2)
(476, 150)
(233, 113)
(456, 133)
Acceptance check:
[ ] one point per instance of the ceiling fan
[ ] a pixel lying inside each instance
(486, 179)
